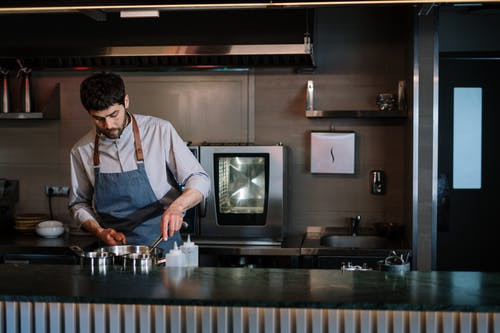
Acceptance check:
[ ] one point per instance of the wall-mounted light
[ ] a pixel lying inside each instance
(139, 13)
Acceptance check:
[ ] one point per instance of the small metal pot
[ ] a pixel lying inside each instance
(99, 261)
(394, 263)
(383, 266)
(138, 262)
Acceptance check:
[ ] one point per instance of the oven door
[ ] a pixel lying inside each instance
(246, 200)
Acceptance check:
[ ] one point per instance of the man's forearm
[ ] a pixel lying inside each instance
(82, 212)
(92, 226)
(189, 198)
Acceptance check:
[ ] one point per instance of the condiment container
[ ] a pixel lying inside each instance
(190, 249)
(175, 258)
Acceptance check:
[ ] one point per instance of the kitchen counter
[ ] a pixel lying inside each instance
(30, 247)
(73, 298)
(333, 289)
(29, 241)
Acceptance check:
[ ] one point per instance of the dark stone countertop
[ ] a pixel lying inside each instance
(428, 291)
(13, 242)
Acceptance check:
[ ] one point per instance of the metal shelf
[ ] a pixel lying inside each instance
(401, 112)
(355, 114)
(21, 115)
(51, 110)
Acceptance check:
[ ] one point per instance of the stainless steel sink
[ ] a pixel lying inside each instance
(360, 241)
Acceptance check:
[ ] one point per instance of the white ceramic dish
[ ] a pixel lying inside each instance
(50, 229)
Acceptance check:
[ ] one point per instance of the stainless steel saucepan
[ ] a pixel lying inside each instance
(93, 258)
(120, 251)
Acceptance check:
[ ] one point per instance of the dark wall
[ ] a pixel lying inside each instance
(361, 52)
(469, 29)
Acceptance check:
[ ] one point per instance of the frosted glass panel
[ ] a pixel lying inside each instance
(242, 185)
(467, 127)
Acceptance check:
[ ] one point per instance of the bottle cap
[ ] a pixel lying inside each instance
(175, 251)
(188, 242)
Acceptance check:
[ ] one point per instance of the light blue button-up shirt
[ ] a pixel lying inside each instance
(162, 148)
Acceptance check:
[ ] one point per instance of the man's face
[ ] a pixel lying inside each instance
(111, 121)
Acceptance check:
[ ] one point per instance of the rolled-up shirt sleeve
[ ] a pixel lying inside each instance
(184, 165)
(80, 203)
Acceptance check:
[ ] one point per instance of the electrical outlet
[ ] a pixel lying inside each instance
(57, 191)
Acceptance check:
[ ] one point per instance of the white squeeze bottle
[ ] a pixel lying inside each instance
(190, 249)
(175, 257)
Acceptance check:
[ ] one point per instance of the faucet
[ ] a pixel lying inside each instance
(355, 224)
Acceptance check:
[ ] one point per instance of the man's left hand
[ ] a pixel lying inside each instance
(171, 221)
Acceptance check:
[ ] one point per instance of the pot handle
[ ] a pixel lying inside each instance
(160, 261)
(77, 250)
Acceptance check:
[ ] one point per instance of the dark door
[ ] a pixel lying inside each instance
(468, 196)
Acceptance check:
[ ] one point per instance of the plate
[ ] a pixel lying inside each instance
(27, 223)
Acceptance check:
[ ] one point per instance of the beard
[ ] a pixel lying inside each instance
(115, 133)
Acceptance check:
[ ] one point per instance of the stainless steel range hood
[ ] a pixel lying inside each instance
(131, 57)
(175, 39)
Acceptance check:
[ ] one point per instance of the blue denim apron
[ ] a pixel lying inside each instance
(126, 202)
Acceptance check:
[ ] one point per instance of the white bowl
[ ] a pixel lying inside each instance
(50, 229)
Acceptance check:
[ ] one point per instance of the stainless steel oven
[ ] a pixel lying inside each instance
(247, 199)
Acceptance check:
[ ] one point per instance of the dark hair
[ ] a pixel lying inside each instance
(100, 91)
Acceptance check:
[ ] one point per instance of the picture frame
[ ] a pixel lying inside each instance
(333, 152)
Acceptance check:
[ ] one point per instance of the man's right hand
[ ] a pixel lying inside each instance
(111, 236)
(107, 235)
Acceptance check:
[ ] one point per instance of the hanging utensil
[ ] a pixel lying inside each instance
(5, 97)
(26, 97)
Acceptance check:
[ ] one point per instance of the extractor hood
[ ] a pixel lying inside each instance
(137, 57)
(188, 39)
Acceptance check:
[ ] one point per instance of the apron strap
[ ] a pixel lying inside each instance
(96, 150)
(137, 142)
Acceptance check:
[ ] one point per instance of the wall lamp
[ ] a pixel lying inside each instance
(139, 13)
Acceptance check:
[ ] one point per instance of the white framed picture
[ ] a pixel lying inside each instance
(333, 152)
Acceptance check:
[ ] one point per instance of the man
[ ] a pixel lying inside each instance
(121, 173)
